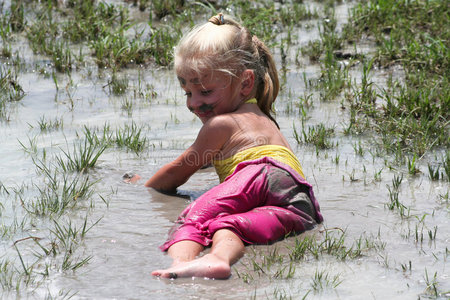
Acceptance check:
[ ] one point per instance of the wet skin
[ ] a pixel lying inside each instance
(213, 97)
(211, 94)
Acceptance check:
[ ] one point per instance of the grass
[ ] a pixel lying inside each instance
(163, 40)
(3, 189)
(5, 34)
(46, 125)
(323, 280)
(7, 275)
(276, 264)
(116, 50)
(130, 137)
(84, 156)
(291, 13)
(57, 195)
(269, 263)
(145, 91)
(409, 115)
(117, 86)
(318, 135)
(68, 237)
(10, 90)
(59, 192)
(334, 75)
(415, 113)
(431, 284)
(17, 16)
(395, 203)
(65, 238)
(10, 229)
(101, 27)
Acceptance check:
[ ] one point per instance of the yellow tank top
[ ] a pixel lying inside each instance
(226, 167)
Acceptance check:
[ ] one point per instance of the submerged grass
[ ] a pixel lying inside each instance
(10, 90)
(277, 264)
(7, 275)
(323, 280)
(130, 137)
(46, 125)
(318, 135)
(395, 203)
(83, 157)
(59, 192)
(55, 194)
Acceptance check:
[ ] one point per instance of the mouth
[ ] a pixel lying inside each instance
(204, 110)
(203, 114)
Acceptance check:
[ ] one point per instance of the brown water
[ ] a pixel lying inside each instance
(124, 244)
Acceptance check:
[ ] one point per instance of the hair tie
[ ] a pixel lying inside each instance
(218, 19)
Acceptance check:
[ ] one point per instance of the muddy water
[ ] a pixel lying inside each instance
(135, 221)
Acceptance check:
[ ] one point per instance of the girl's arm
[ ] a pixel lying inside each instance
(211, 138)
(173, 174)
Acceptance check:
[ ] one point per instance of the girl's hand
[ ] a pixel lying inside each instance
(130, 177)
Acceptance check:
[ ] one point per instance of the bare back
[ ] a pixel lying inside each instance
(249, 127)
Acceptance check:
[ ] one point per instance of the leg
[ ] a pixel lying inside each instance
(184, 251)
(236, 195)
(227, 246)
(226, 250)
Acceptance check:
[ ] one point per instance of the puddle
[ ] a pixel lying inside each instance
(133, 221)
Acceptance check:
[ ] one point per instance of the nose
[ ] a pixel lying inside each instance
(193, 103)
(197, 105)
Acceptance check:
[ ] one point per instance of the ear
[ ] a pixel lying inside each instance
(248, 82)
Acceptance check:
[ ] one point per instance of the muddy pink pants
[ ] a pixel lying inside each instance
(261, 202)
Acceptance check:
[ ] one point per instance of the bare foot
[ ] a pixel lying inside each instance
(209, 266)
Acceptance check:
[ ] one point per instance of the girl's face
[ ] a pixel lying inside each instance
(210, 94)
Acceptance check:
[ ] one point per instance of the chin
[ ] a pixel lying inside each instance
(205, 117)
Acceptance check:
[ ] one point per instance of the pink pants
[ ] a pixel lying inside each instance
(262, 202)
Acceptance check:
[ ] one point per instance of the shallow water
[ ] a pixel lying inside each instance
(134, 221)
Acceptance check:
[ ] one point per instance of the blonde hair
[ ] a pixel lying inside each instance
(224, 45)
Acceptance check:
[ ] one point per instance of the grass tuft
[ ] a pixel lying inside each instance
(318, 136)
(84, 156)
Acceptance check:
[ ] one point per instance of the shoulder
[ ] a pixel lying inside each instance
(214, 133)
(224, 123)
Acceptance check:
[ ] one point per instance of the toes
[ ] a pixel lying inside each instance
(156, 273)
(165, 274)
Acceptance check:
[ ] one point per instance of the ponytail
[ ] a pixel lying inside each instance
(269, 85)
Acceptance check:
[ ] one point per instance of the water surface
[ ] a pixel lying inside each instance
(134, 221)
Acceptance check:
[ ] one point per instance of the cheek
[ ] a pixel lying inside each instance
(189, 104)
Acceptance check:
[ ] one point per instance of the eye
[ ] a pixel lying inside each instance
(188, 94)
(206, 93)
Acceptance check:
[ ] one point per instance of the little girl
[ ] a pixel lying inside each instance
(230, 81)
